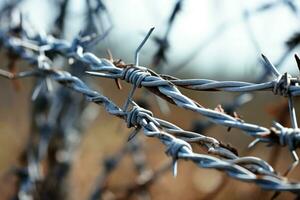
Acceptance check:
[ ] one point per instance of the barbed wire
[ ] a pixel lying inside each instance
(134, 147)
(176, 148)
(284, 84)
(165, 88)
(250, 169)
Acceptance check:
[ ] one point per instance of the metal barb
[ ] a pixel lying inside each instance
(174, 138)
(137, 51)
(270, 65)
(136, 64)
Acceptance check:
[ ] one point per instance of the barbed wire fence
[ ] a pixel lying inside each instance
(135, 147)
(40, 51)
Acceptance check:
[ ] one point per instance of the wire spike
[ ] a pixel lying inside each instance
(132, 135)
(136, 64)
(253, 143)
(100, 74)
(295, 155)
(270, 65)
(174, 167)
(137, 52)
(294, 164)
(129, 98)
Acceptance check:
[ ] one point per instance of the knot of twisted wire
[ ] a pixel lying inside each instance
(282, 84)
(135, 75)
(134, 117)
(288, 136)
(174, 147)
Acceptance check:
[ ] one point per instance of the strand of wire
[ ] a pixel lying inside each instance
(140, 76)
(243, 168)
(69, 80)
(135, 145)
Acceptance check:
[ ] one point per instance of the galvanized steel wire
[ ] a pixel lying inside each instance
(34, 48)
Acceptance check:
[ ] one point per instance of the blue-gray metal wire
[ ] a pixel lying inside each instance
(250, 169)
(237, 167)
(135, 76)
(245, 168)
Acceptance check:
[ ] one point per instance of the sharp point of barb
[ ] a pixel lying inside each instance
(136, 59)
(92, 73)
(100, 74)
(270, 65)
(253, 143)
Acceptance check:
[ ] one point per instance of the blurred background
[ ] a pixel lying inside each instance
(213, 39)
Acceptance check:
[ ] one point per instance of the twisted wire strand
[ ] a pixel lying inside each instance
(282, 85)
(136, 151)
(133, 118)
(248, 169)
(142, 77)
(277, 86)
(168, 91)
